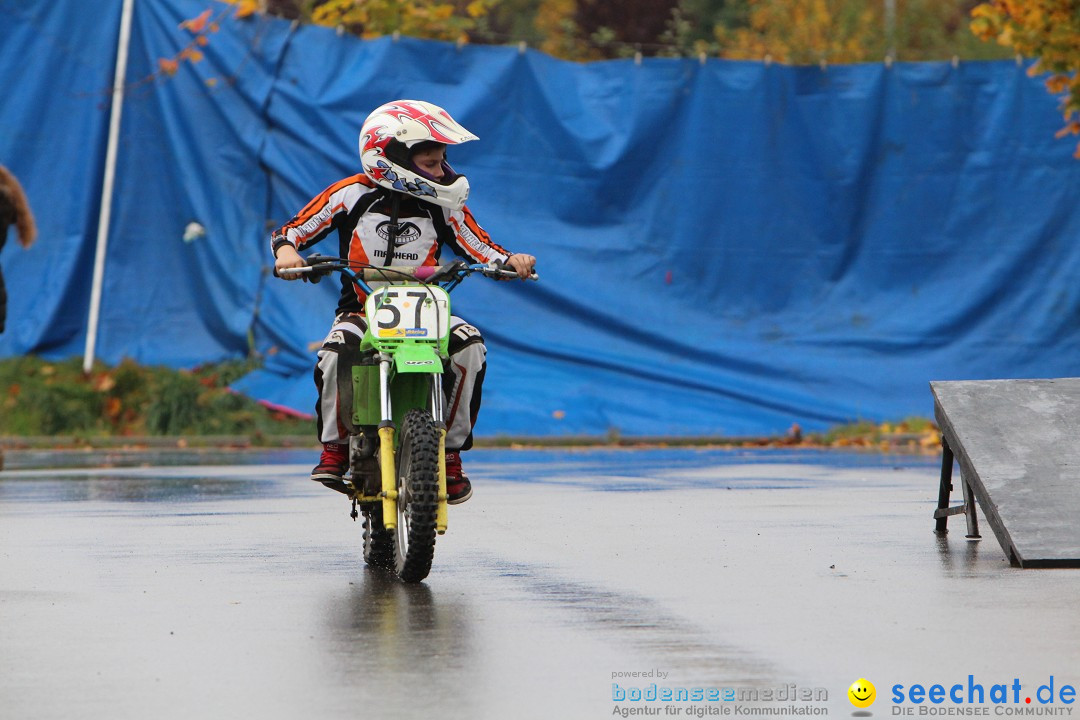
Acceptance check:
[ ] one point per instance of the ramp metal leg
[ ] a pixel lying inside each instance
(942, 513)
(969, 511)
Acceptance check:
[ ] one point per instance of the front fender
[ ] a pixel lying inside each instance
(417, 358)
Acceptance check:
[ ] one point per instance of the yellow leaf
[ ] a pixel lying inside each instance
(197, 24)
(168, 65)
(1057, 84)
(244, 8)
(1072, 128)
(930, 439)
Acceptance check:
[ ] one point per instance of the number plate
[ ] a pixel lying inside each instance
(415, 312)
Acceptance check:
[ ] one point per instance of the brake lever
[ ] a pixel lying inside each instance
(314, 274)
(497, 270)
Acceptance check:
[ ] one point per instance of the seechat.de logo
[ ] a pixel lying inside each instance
(862, 693)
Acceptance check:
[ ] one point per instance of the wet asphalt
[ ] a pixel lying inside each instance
(236, 589)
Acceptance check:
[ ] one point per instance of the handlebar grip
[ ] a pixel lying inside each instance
(507, 274)
(307, 273)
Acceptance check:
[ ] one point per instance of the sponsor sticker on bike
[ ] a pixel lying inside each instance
(403, 332)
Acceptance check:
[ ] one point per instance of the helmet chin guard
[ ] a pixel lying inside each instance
(387, 137)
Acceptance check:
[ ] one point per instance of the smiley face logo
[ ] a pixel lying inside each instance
(862, 693)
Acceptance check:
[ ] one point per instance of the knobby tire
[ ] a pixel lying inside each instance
(378, 541)
(418, 496)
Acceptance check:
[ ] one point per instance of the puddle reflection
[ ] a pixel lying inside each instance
(129, 489)
(960, 558)
(412, 643)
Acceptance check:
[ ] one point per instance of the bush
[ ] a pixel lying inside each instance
(39, 397)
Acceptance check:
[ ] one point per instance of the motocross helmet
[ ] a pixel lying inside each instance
(390, 136)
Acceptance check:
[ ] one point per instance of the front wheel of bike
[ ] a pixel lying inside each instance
(418, 496)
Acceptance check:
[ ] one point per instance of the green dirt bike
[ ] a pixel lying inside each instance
(397, 444)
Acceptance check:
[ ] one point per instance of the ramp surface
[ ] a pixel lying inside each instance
(1018, 446)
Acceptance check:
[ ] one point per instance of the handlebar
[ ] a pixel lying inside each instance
(449, 275)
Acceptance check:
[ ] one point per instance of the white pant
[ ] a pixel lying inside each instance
(462, 384)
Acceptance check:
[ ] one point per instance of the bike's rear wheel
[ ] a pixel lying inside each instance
(378, 541)
(418, 496)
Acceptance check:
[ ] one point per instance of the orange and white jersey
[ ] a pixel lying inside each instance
(358, 212)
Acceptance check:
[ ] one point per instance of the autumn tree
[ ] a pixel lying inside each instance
(561, 35)
(1048, 30)
(844, 31)
(597, 29)
(791, 31)
(510, 22)
(625, 27)
(453, 20)
(434, 19)
(803, 32)
(691, 30)
(937, 30)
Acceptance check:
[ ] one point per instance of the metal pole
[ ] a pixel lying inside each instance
(890, 28)
(107, 186)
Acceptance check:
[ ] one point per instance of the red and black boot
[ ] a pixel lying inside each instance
(333, 464)
(458, 487)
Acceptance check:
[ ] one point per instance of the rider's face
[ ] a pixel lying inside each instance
(430, 161)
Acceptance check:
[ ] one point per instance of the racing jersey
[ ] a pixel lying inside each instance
(359, 212)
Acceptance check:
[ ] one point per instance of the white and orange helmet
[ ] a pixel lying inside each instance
(388, 139)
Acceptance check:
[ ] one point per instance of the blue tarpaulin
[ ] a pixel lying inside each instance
(724, 247)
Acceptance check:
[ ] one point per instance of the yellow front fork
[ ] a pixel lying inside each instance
(389, 481)
(441, 515)
(389, 477)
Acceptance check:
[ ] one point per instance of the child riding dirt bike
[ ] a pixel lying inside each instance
(405, 207)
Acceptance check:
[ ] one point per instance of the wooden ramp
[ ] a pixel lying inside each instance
(1017, 443)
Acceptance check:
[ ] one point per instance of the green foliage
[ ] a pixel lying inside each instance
(56, 398)
(507, 22)
(67, 406)
(936, 30)
(173, 405)
(914, 433)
